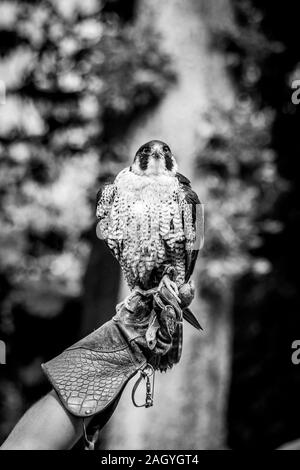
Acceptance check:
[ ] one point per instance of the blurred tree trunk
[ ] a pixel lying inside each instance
(100, 287)
(190, 401)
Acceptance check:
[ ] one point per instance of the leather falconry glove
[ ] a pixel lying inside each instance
(144, 335)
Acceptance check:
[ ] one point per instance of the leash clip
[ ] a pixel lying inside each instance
(148, 374)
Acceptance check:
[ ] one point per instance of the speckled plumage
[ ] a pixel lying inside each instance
(148, 220)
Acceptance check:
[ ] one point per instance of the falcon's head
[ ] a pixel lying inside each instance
(153, 159)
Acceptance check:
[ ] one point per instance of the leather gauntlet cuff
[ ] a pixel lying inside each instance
(92, 373)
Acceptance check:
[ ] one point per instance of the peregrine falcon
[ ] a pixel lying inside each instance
(152, 221)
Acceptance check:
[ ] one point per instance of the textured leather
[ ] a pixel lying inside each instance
(90, 375)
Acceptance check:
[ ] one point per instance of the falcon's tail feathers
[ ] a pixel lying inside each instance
(190, 317)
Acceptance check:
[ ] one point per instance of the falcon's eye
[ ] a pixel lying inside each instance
(146, 150)
(166, 148)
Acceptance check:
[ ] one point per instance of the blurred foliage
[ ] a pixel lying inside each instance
(76, 74)
(242, 185)
(263, 57)
(70, 69)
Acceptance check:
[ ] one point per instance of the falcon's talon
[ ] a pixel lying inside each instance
(171, 272)
(171, 286)
(138, 290)
(126, 303)
(127, 300)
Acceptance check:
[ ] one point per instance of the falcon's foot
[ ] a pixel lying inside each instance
(171, 286)
(134, 292)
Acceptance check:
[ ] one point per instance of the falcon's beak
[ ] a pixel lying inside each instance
(156, 155)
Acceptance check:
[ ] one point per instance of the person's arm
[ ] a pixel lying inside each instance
(45, 426)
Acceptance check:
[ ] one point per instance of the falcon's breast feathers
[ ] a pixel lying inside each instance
(150, 218)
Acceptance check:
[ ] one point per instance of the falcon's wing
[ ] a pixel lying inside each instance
(193, 223)
(105, 199)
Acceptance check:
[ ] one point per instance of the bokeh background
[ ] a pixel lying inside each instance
(87, 82)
